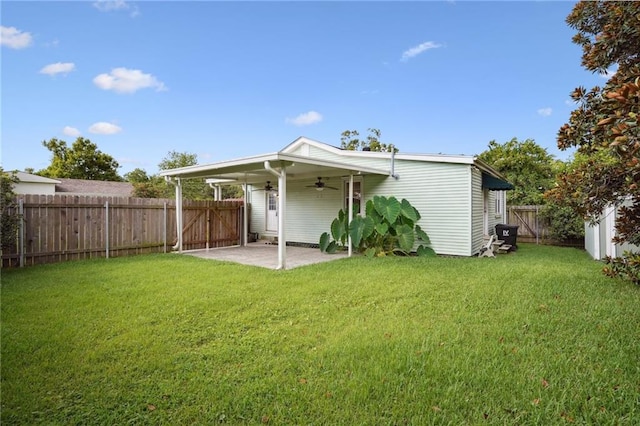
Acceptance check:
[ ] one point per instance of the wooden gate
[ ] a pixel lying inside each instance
(210, 224)
(531, 228)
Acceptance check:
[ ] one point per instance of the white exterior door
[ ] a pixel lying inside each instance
(272, 212)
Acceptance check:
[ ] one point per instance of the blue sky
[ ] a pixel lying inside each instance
(225, 80)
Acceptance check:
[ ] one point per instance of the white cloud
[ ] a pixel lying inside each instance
(104, 128)
(71, 131)
(305, 119)
(123, 80)
(58, 68)
(116, 5)
(416, 50)
(545, 112)
(14, 38)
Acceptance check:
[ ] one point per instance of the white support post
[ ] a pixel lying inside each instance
(282, 210)
(245, 215)
(179, 217)
(350, 215)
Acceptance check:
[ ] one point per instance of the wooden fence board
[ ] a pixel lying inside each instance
(68, 227)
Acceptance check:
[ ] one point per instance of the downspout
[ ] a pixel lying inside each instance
(216, 191)
(179, 219)
(393, 163)
(282, 204)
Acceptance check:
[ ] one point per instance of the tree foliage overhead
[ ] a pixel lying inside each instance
(527, 165)
(604, 126)
(350, 140)
(81, 160)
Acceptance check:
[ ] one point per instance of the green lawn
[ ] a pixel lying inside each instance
(539, 336)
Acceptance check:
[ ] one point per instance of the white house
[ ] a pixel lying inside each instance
(598, 237)
(296, 192)
(34, 184)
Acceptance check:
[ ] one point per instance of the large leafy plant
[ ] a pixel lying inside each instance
(388, 227)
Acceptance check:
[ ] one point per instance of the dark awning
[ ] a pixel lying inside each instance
(494, 184)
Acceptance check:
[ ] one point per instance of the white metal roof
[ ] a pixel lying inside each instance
(252, 169)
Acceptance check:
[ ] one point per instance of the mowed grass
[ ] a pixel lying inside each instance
(539, 336)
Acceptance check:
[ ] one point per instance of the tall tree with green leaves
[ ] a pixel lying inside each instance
(350, 140)
(604, 126)
(527, 165)
(81, 160)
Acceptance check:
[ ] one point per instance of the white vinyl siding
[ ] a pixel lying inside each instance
(310, 212)
(257, 218)
(477, 213)
(440, 192)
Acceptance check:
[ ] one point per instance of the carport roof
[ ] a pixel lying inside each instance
(253, 170)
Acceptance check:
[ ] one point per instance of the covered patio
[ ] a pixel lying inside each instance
(252, 171)
(266, 255)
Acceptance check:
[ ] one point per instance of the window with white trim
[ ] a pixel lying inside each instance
(499, 202)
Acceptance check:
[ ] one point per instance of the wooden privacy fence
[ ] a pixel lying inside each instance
(56, 228)
(532, 227)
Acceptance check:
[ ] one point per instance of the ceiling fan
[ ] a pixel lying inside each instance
(268, 187)
(320, 185)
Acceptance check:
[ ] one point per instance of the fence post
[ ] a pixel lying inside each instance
(164, 231)
(106, 228)
(21, 232)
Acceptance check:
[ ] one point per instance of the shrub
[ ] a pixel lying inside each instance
(564, 223)
(388, 227)
(8, 216)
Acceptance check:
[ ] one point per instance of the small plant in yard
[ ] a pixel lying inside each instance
(625, 267)
(388, 227)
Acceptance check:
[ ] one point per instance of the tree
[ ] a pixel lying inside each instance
(192, 189)
(145, 186)
(8, 215)
(604, 126)
(349, 140)
(83, 160)
(527, 165)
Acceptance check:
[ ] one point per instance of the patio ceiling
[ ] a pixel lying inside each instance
(252, 170)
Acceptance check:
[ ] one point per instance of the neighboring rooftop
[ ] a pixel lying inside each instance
(28, 177)
(94, 187)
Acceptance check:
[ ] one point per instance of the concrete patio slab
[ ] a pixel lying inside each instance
(266, 255)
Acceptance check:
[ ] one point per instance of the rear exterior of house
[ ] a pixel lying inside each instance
(457, 212)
